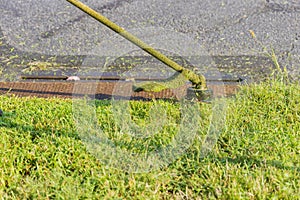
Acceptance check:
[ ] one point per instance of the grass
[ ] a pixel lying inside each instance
(257, 155)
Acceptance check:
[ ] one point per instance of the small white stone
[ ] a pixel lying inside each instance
(73, 78)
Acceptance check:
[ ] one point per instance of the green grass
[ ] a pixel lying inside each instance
(257, 155)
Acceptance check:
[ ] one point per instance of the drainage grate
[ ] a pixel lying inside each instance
(105, 89)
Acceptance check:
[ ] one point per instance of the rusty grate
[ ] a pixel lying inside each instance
(104, 89)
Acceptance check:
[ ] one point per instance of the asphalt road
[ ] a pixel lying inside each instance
(212, 28)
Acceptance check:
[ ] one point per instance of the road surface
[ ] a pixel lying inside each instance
(218, 30)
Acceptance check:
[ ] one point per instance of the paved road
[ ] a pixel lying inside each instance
(207, 27)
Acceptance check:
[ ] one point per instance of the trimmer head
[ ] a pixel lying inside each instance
(205, 95)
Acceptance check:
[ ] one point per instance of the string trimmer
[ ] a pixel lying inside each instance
(198, 81)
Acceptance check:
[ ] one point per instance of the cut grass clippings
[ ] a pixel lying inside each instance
(257, 155)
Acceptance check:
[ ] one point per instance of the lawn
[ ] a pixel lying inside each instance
(257, 154)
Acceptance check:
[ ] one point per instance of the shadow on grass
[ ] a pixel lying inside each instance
(249, 162)
(8, 120)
